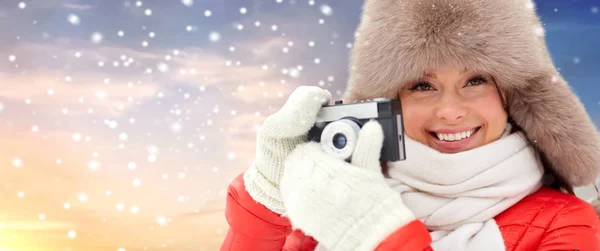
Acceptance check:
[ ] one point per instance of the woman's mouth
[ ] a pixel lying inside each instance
(453, 141)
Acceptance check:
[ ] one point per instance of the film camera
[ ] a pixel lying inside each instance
(337, 127)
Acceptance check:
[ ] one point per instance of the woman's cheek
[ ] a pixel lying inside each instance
(414, 118)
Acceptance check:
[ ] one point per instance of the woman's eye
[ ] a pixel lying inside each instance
(421, 86)
(476, 81)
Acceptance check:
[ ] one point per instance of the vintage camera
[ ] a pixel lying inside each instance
(337, 127)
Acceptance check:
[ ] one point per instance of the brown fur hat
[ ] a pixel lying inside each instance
(398, 40)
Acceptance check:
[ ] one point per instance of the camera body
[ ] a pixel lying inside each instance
(337, 127)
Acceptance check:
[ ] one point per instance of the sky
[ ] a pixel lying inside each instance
(123, 122)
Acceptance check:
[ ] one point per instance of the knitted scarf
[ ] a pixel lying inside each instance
(458, 195)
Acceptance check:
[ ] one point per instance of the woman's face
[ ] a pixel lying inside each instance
(453, 111)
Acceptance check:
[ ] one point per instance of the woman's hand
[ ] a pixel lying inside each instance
(343, 206)
(280, 134)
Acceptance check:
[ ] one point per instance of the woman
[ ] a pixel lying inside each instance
(495, 143)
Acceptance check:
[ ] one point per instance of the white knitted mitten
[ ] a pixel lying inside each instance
(343, 206)
(278, 136)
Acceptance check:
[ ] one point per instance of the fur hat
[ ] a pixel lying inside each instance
(397, 41)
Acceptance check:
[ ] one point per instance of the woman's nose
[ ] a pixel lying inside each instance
(450, 108)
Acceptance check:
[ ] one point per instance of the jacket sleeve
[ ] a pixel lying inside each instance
(254, 227)
(575, 227)
(251, 225)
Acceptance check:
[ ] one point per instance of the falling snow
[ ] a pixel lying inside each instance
(17, 162)
(71, 234)
(326, 10)
(135, 111)
(73, 19)
(214, 36)
(96, 37)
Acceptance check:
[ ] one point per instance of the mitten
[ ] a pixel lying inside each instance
(281, 133)
(344, 206)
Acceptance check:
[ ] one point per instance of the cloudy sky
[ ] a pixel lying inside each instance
(122, 122)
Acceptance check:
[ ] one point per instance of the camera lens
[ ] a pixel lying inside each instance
(339, 140)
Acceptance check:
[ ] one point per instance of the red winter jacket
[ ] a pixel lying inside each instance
(546, 220)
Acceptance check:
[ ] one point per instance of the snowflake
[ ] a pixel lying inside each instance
(94, 165)
(76, 137)
(162, 67)
(131, 166)
(176, 127)
(326, 10)
(17, 162)
(137, 182)
(73, 19)
(231, 156)
(82, 197)
(101, 95)
(161, 220)
(214, 36)
(96, 37)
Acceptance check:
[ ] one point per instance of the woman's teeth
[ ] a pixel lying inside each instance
(455, 136)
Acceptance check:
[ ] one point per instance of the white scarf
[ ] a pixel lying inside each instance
(458, 195)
